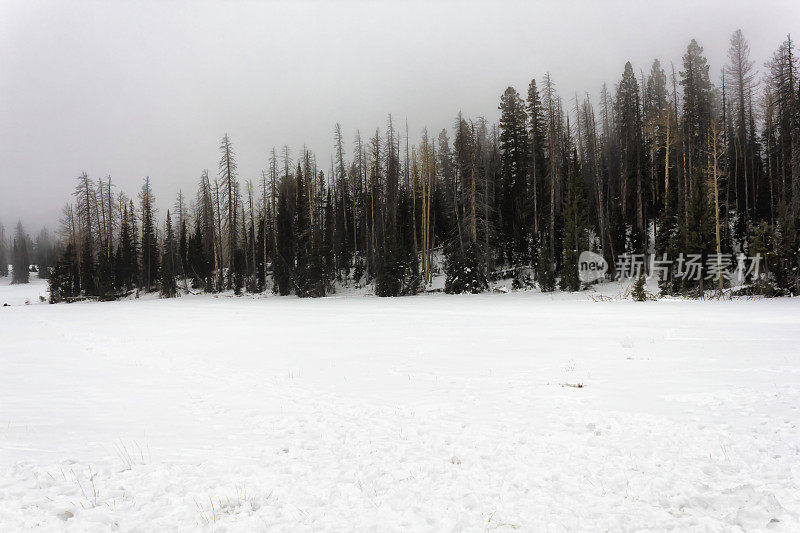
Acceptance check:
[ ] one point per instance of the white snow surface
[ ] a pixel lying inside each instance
(427, 413)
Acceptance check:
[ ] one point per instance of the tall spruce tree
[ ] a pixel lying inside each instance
(167, 272)
(302, 278)
(575, 226)
(514, 157)
(632, 185)
(537, 166)
(283, 260)
(149, 252)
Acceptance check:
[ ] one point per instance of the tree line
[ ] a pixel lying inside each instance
(668, 161)
(26, 254)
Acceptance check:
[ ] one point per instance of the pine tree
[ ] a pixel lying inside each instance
(316, 273)
(697, 115)
(464, 271)
(308, 274)
(150, 254)
(668, 245)
(514, 157)
(786, 252)
(87, 267)
(183, 249)
(746, 167)
(283, 260)
(134, 248)
(639, 293)
(3, 253)
(205, 249)
(546, 274)
(537, 138)
(410, 279)
(167, 272)
(698, 230)
(20, 253)
(105, 277)
(632, 184)
(43, 252)
(575, 227)
(199, 265)
(302, 237)
(65, 278)
(329, 242)
(126, 254)
(762, 244)
(658, 132)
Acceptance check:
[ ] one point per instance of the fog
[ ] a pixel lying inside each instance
(148, 89)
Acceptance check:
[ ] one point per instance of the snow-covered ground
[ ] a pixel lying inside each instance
(430, 413)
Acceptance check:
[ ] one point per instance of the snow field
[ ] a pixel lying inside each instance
(429, 413)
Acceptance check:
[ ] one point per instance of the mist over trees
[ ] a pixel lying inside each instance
(3, 252)
(670, 159)
(20, 254)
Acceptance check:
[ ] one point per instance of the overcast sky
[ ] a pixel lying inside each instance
(131, 89)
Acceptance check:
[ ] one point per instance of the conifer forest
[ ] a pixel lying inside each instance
(668, 159)
(400, 266)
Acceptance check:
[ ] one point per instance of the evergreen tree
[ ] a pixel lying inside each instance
(464, 271)
(319, 258)
(537, 138)
(697, 114)
(575, 227)
(547, 274)
(762, 243)
(633, 188)
(329, 243)
(263, 243)
(167, 272)
(20, 253)
(668, 245)
(388, 282)
(283, 260)
(698, 236)
(183, 249)
(3, 253)
(105, 277)
(126, 254)
(88, 267)
(657, 121)
(65, 278)
(133, 251)
(786, 252)
(44, 253)
(302, 237)
(514, 157)
(149, 273)
(199, 264)
(639, 293)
